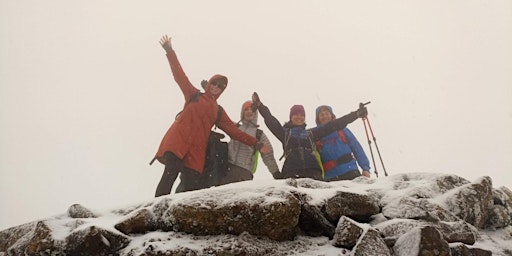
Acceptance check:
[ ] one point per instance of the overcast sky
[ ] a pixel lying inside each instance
(86, 92)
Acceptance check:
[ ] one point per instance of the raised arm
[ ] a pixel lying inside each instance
(177, 71)
(339, 123)
(270, 121)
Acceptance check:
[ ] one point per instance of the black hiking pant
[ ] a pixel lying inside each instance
(350, 175)
(173, 166)
(190, 179)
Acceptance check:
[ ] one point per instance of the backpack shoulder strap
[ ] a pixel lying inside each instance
(219, 114)
(259, 132)
(342, 136)
(287, 135)
(194, 98)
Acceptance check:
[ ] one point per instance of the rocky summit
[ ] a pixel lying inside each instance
(405, 214)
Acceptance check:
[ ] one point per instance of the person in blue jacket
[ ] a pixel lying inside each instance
(340, 151)
(299, 142)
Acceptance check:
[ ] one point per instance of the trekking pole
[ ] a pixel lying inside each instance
(369, 141)
(376, 146)
(365, 121)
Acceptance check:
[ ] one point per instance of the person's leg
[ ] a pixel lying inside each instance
(192, 180)
(173, 166)
(236, 174)
(350, 175)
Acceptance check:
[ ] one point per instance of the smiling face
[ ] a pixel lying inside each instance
(248, 114)
(324, 116)
(298, 119)
(217, 87)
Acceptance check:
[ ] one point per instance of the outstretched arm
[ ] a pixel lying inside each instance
(339, 123)
(177, 71)
(272, 123)
(235, 133)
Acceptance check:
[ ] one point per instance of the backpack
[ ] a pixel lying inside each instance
(319, 144)
(314, 148)
(216, 162)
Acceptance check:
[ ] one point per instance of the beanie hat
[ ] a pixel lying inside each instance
(246, 105)
(297, 109)
(322, 108)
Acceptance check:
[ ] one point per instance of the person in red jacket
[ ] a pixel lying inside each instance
(183, 148)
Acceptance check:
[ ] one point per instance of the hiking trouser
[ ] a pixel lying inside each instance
(191, 180)
(312, 173)
(173, 166)
(350, 175)
(236, 174)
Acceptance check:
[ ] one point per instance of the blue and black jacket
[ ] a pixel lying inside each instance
(299, 143)
(341, 152)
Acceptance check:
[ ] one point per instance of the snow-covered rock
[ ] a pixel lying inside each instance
(406, 214)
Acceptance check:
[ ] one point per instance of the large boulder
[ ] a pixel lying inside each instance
(472, 202)
(275, 216)
(417, 209)
(422, 241)
(347, 233)
(140, 221)
(355, 206)
(79, 211)
(35, 240)
(371, 244)
(94, 240)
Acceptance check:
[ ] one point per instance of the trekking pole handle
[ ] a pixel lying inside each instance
(364, 104)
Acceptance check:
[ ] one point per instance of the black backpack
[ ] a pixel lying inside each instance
(216, 162)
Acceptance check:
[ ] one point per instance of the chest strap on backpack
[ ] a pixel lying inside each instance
(329, 165)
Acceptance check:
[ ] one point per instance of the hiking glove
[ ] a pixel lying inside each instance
(362, 112)
(204, 83)
(255, 101)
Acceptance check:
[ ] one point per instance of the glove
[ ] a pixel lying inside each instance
(362, 112)
(277, 175)
(204, 83)
(255, 101)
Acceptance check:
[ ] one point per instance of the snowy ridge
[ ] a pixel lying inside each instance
(395, 215)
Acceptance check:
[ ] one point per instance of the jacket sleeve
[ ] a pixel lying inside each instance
(357, 149)
(271, 122)
(268, 158)
(180, 77)
(338, 124)
(234, 132)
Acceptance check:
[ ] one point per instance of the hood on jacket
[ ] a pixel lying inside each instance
(209, 84)
(320, 109)
(246, 105)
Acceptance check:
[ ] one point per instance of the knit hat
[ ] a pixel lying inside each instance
(246, 105)
(297, 109)
(322, 108)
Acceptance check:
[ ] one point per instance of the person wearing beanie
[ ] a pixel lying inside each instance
(243, 159)
(298, 142)
(183, 147)
(340, 151)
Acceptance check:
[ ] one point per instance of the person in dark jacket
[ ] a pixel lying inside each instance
(299, 142)
(340, 151)
(183, 148)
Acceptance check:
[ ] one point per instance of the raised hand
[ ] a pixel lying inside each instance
(165, 42)
(362, 112)
(255, 101)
